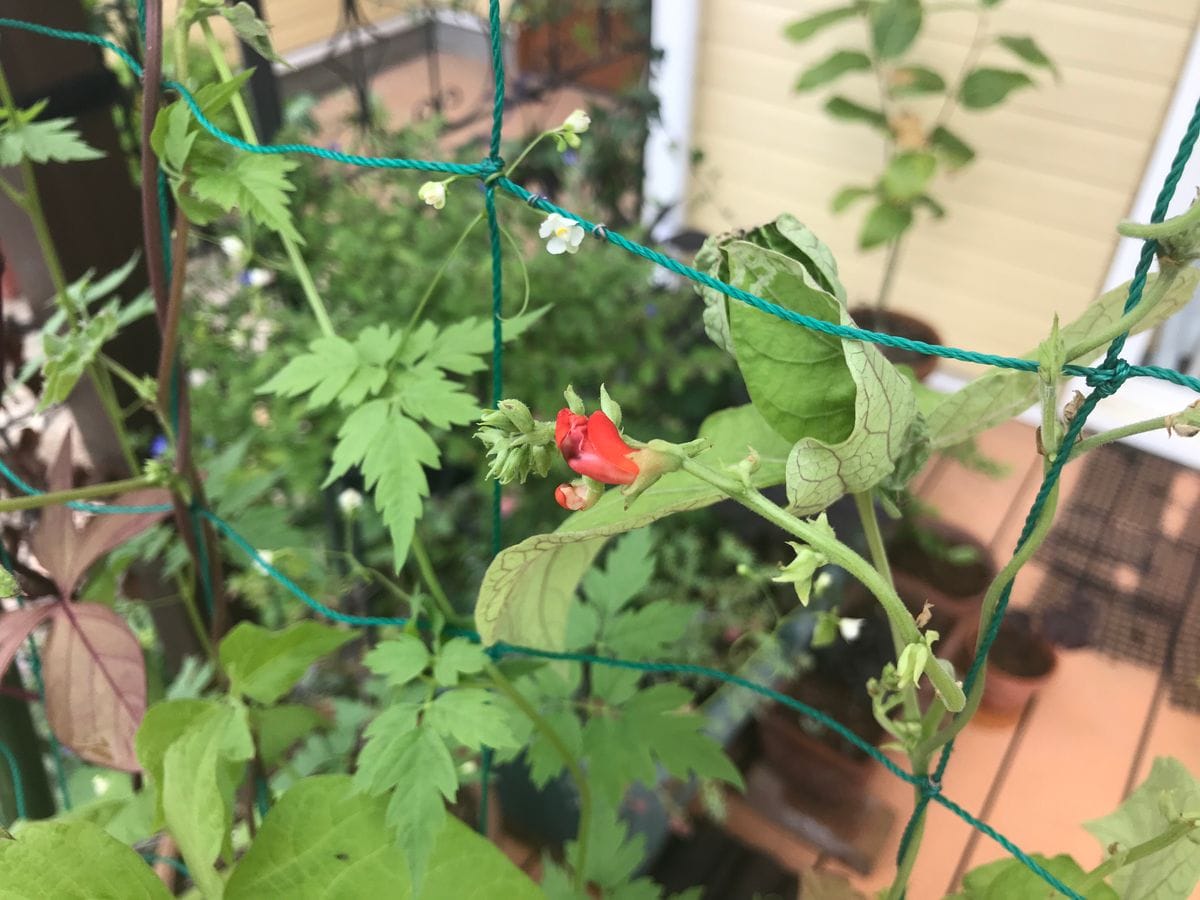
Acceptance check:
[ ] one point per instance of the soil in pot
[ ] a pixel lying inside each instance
(905, 326)
(955, 585)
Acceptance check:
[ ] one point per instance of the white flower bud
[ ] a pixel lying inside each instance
(349, 501)
(433, 193)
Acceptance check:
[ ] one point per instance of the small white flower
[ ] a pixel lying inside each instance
(850, 629)
(267, 558)
(562, 235)
(198, 378)
(257, 278)
(349, 501)
(433, 193)
(233, 248)
(577, 122)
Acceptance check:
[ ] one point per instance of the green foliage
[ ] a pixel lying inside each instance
(528, 588)
(907, 175)
(325, 841)
(1000, 394)
(8, 584)
(278, 728)
(951, 149)
(264, 665)
(1027, 49)
(912, 81)
(24, 138)
(411, 380)
(895, 24)
(849, 111)
(986, 87)
(1172, 873)
(884, 224)
(210, 178)
(74, 860)
(804, 29)
(835, 66)
(1011, 879)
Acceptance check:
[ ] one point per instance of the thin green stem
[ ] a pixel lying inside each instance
(435, 281)
(991, 601)
(429, 576)
(978, 41)
(1128, 322)
(1116, 434)
(572, 765)
(510, 169)
(90, 492)
(242, 114)
(1177, 830)
(888, 280)
(838, 554)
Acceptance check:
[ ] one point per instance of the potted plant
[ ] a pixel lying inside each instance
(918, 144)
(1021, 662)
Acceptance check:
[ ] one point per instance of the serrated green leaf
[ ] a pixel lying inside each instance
(1027, 49)
(68, 356)
(545, 760)
(986, 87)
(416, 768)
(458, 656)
(834, 66)
(907, 175)
(425, 394)
(912, 81)
(997, 396)
(251, 29)
(614, 854)
(52, 140)
(895, 24)
(884, 224)
(648, 632)
(324, 841)
(623, 746)
(264, 665)
(1172, 873)
(8, 584)
(529, 587)
(278, 728)
(197, 790)
(164, 723)
(469, 716)
(398, 660)
(392, 451)
(254, 183)
(805, 28)
(955, 152)
(849, 111)
(628, 568)
(74, 860)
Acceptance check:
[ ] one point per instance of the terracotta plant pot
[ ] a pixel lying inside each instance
(1020, 663)
(955, 591)
(891, 322)
(816, 764)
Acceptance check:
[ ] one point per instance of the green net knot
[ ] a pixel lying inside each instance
(929, 786)
(1108, 378)
(491, 168)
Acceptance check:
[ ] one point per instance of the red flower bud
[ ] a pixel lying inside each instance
(577, 495)
(592, 446)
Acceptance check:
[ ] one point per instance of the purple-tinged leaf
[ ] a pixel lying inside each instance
(67, 551)
(17, 625)
(95, 684)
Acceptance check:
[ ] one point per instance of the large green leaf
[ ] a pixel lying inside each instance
(264, 665)
(1170, 874)
(201, 772)
(325, 841)
(818, 472)
(894, 26)
(73, 860)
(1011, 879)
(986, 87)
(528, 588)
(1000, 394)
(832, 67)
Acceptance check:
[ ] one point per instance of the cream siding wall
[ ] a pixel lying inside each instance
(1030, 224)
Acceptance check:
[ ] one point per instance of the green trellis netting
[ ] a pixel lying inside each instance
(1104, 380)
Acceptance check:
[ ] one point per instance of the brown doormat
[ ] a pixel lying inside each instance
(1123, 567)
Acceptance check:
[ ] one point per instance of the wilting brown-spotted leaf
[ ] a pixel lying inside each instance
(67, 551)
(15, 626)
(95, 684)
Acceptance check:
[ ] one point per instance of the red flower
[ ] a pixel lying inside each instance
(592, 446)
